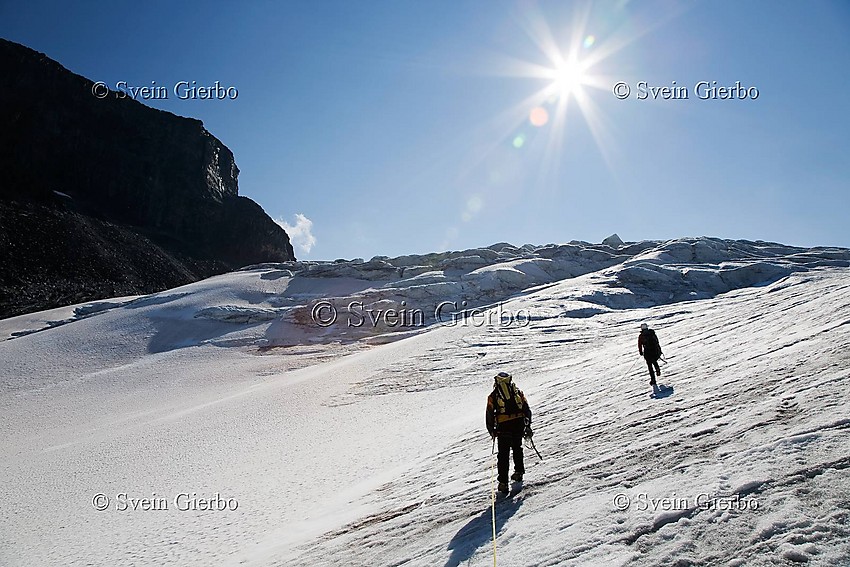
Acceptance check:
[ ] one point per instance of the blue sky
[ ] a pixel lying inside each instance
(405, 127)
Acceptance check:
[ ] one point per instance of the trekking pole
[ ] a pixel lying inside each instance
(630, 369)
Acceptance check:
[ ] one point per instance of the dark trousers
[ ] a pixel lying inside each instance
(508, 442)
(650, 363)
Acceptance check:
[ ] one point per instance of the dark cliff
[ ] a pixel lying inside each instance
(105, 197)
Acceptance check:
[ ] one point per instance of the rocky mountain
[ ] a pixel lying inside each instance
(107, 197)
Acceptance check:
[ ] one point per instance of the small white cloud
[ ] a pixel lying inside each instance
(300, 233)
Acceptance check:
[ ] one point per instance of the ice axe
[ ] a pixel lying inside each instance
(529, 434)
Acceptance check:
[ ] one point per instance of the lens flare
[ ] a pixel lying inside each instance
(539, 116)
(568, 71)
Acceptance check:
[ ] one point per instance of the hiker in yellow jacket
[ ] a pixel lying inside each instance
(508, 415)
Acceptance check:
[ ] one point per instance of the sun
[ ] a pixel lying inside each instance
(568, 77)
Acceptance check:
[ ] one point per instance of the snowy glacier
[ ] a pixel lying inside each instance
(304, 413)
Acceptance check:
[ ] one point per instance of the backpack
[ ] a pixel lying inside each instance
(508, 402)
(651, 347)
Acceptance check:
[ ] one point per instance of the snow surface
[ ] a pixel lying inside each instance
(365, 445)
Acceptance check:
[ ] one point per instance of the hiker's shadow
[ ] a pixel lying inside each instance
(663, 392)
(479, 531)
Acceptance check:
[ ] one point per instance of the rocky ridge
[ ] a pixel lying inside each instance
(105, 197)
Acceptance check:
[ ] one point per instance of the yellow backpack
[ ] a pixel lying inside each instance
(509, 398)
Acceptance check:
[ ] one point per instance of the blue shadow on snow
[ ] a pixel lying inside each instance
(479, 531)
(663, 392)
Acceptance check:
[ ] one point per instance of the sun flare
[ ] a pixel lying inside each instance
(568, 78)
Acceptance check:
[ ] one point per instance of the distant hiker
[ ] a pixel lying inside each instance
(508, 416)
(650, 349)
